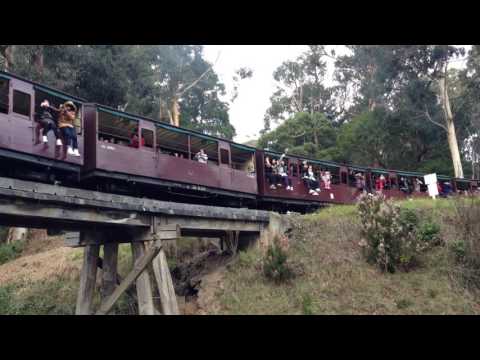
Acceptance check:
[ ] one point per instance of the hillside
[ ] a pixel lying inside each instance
(332, 277)
(335, 279)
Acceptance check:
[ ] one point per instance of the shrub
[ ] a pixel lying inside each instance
(11, 251)
(429, 234)
(388, 234)
(275, 264)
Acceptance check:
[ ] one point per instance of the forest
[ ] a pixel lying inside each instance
(393, 106)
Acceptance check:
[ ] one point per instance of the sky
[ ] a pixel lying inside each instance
(247, 111)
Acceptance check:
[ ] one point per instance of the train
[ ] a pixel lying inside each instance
(162, 165)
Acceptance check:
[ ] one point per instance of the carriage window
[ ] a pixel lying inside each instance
(173, 143)
(209, 146)
(117, 130)
(21, 103)
(4, 89)
(224, 156)
(344, 177)
(147, 138)
(242, 159)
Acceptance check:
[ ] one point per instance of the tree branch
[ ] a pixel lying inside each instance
(183, 91)
(429, 118)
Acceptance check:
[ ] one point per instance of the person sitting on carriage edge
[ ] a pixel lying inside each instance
(282, 174)
(269, 173)
(309, 179)
(47, 122)
(201, 157)
(66, 123)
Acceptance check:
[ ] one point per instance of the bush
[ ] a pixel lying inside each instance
(388, 233)
(429, 233)
(11, 251)
(275, 264)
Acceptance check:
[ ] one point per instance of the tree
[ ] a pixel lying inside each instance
(306, 134)
(381, 74)
(300, 88)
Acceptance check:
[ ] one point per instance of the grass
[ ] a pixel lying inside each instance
(337, 280)
(11, 251)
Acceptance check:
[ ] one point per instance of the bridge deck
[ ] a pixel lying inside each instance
(31, 204)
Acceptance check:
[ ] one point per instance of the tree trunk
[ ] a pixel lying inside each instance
(175, 111)
(16, 234)
(315, 137)
(451, 134)
(9, 57)
(38, 61)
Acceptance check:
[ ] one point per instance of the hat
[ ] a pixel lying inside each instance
(70, 104)
(358, 175)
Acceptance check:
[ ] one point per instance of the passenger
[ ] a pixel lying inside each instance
(66, 123)
(48, 123)
(359, 181)
(276, 177)
(326, 178)
(283, 176)
(134, 139)
(404, 185)
(381, 183)
(418, 185)
(269, 173)
(306, 180)
(447, 188)
(201, 157)
(313, 181)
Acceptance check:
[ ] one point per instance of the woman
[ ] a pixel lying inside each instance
(269, 173)
(66, 124)
(283, 174)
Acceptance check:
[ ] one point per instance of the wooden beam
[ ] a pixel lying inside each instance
(109, 280)
(163, 277)
(144, 288)
(139, 266)
(59, 214)
(130, 291)
(85, 198)
(214, 224)
(88, 278)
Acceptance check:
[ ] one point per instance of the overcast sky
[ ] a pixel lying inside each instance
(248, 110)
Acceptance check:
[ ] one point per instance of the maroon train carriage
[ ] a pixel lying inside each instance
(163, 164)
(21, 153)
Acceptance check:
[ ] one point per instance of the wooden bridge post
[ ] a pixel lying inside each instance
(88, 276)
(109, 280)
(144, 288)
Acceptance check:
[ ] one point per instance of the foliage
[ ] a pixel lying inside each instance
(304, 134)
(275, 264)
(11, 251)
(143, 79)
(392, 237)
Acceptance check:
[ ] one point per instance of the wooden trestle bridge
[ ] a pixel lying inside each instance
(94, 219)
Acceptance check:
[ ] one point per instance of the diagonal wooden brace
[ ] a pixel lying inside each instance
(137, 270)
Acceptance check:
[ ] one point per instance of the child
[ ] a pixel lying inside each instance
(327, 177)
(66, 124)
